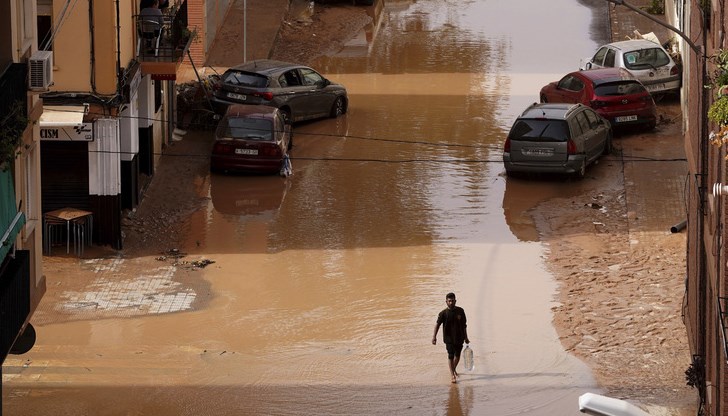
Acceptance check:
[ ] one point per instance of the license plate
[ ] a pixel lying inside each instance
(624, 119)
(538, 152)
(246, 152)
(655, 87)
(235, 96)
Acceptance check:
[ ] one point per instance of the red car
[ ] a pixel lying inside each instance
(251, 139)
(614, 93)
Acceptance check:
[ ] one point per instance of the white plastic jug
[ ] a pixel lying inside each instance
(468, 361)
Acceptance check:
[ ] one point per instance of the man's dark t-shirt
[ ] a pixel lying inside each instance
(453, 325)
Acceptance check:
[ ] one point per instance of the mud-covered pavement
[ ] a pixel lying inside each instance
(328, 307)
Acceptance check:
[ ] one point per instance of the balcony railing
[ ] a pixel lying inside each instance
(163, 41)
(13, 110)
(723, 317)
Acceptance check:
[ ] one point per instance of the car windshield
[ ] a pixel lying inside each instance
(619, 88)
(646, 58)
(540, 130)
(246, 128)
(246, 79)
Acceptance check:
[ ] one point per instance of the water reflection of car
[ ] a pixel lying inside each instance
(648, 61)
(556, 138)
(614, 93)
(298, 91)
(251, 139)
(247, 195)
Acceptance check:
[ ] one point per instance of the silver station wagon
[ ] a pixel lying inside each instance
(556, 138)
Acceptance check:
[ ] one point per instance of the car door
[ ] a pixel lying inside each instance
(294, 94)
(597, 61)
(601, 128)
(592, 143)
(320, 99)
(594, 136)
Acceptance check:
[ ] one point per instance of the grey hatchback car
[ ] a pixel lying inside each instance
(556, 138)
(298, 91)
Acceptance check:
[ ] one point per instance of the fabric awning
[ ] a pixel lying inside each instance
(11, 221)
(61, 116)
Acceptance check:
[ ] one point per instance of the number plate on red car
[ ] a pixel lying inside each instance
(624, 119)
(246, 152)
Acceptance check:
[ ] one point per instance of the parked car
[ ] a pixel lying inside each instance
(614, 93)
(251, 139)
(298, 91)
(648, 61)
(556, 138)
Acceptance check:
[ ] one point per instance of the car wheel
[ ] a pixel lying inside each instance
(651, 125)
(543, 98)
(338, 108)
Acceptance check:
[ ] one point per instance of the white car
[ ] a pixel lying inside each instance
(646, 60)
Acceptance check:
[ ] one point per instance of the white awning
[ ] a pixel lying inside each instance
(62, 115)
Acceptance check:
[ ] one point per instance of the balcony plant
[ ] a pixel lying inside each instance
(11, 134)
(718, 110)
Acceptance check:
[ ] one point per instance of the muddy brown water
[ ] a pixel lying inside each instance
(326, 284)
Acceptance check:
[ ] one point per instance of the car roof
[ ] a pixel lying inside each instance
(606, 75)
(250, 110)
(265, 66)
(556, 111)
(634, 44)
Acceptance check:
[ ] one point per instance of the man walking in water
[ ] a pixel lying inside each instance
(454, 332)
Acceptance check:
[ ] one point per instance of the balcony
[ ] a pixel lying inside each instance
(13, 110)
(162, 45)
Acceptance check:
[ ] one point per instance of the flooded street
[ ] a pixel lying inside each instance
(326, 285)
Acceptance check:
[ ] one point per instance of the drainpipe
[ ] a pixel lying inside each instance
(92, 29)
(119, 75)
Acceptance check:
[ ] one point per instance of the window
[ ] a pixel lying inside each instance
(599, 56)
(540, 130)
(609, 59)
(311, 77)
(292, 79)
(583, 122)
(593, 118)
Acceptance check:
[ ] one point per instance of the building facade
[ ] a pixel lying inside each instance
(705, 305)
(22, 283)
(108, 104)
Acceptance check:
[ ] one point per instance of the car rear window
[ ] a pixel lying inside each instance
(246, 128)
(619, 88)
(646, 58)
(540, 130)
(246, 79)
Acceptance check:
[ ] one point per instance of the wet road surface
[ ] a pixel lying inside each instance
(326, 285)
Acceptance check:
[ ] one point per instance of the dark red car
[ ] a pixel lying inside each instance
(614, 93)
(251, 139)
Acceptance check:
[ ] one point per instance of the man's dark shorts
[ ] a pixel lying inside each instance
(453, 350)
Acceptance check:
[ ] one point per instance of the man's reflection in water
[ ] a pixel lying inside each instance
(460, 401)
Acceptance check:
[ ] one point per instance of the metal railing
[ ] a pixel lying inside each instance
(166, 40)
(14, 87)
(722, 316)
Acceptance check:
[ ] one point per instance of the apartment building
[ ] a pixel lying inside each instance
(108, 104)
(22, 283)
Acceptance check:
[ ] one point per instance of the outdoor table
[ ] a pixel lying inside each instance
(77, 218)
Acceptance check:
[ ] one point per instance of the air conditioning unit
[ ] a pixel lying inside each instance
(40, 68)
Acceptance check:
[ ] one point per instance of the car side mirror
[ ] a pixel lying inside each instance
(588, 65)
